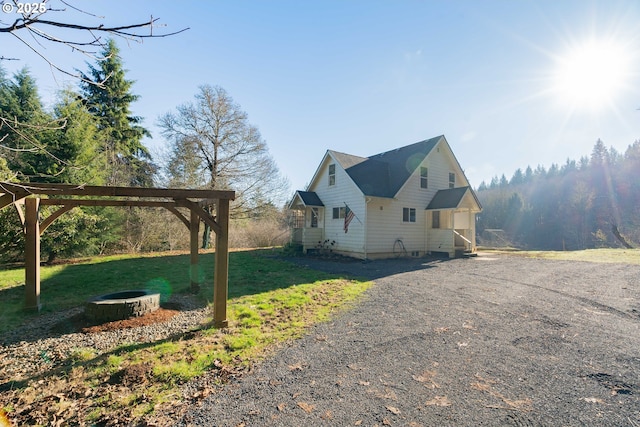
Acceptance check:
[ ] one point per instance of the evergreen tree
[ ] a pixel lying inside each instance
(77, 143)
(599, 154)
(517, 178)
(26, 127)
(528, 174)
(108, 97)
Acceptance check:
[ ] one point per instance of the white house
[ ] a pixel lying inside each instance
(413, 201)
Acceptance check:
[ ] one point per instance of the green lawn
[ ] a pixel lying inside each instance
(270, 301)
(69, 285)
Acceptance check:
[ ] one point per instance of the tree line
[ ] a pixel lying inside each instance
(589, 203)
(90, 136)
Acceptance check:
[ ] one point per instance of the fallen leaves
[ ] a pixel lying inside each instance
(486, 385)
(393, 410)
(427, 379)
(306, 407)
(438, 401)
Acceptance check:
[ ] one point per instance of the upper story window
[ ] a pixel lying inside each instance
(424, 177)
(452, 180)
(408, 214)
(332, 174)
(338, 213)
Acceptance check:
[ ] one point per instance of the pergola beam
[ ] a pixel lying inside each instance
(204, 215)
(90, 190)
(11, 193)
(49, 220)
(9, 198)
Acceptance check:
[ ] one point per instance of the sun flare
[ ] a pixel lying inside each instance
(592, 75)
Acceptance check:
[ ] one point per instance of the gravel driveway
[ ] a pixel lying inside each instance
(494, 341)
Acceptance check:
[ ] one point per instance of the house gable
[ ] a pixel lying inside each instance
(384, 174)
(454, 198)
(342, 162)
(305, 198)
(439, 163)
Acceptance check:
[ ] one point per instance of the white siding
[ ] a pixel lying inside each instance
(461, 219)
(335, 196)
(441, 241)
(385, 227)
(440, 162)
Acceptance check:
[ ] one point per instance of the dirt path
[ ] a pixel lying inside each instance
(494, 341)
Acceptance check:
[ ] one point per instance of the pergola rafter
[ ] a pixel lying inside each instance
(67, 197)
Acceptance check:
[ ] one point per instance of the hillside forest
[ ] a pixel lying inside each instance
(591, 203)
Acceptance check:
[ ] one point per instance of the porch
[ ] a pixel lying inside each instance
(306, 220)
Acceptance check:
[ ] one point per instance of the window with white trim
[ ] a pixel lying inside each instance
(452, 180)
(332, 174)
(408, 214)
(424, 175)
(338, 213)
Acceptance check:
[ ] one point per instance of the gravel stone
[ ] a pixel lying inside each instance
(492, 341)
(38, 346)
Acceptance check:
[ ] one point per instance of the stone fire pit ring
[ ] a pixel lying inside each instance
(121, 305)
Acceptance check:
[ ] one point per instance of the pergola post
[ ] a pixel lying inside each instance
(194, 228)
(168, 198)
(32, 254)
(221, 274)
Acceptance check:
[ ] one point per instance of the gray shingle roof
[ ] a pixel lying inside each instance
(347, 160)
(310, 198)
(382, 175)
(448, 199)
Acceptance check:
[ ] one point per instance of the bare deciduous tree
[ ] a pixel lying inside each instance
(229, 152)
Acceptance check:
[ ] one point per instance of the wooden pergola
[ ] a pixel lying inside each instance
(27, 198)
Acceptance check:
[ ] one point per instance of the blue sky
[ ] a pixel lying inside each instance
(364, 77)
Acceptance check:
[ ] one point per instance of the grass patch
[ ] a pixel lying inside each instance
(617, 256)
(66, 286)
(271, 301)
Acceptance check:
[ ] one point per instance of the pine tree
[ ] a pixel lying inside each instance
(26, 128)
(108, 97)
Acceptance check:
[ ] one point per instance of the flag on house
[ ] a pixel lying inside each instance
(348, 216)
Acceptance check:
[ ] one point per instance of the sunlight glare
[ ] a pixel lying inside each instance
(592, 75)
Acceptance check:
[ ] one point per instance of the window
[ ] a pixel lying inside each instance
(314, 217)
(408, 215)
(424, 172)
(338, 213)
(332, 174)
(452, 180)
(435, 219)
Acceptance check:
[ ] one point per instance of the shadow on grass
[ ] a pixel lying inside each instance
(64, 367)
(64, 289)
